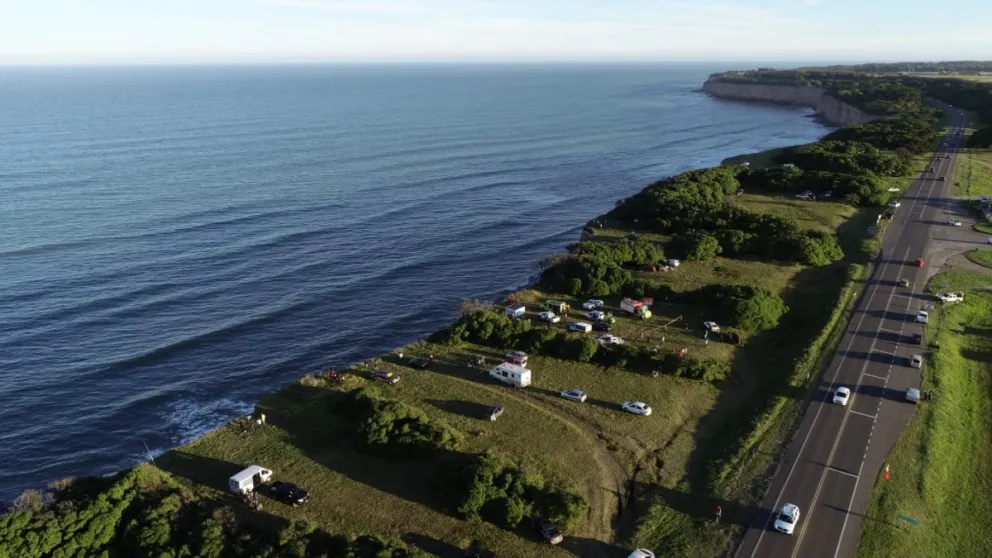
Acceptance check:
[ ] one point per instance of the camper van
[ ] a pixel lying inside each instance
(249, 479)
(511, 374)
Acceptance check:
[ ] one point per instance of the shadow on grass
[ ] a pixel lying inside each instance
(469, 409)
(207, 471)
(435, 547)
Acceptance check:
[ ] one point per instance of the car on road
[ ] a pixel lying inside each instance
(913, 395)
(289, 493)
(637, 407)
(610, 340)
(919, 262)
(917, 339)
(894, 204)
(602, 326)
(549, 317)
(954, 222)
(842, 395)
(386, 377)
(942, 178)
(904, 282)
(546, 529)
(579, 326)
(788, 516)
(950, 297)
(916, 361)
(711, 327)
(576, 395)
(922, 317)
(593, 304)
(641, 553)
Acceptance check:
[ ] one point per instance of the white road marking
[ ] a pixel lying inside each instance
(886, 378)
(873, 417)
(841, 471)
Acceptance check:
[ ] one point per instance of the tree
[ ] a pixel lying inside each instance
(696, 246)
(755, 309)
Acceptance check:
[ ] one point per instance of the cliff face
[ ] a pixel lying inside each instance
(827, 108)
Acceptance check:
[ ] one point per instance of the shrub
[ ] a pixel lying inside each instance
(565, 509)
(396, 429)
(755, 311)
(695, 246)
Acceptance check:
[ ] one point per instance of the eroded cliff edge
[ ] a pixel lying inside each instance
(828, 109)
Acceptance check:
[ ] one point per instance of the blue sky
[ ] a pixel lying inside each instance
(170, 31)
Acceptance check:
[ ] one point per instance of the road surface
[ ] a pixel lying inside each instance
(832, 463)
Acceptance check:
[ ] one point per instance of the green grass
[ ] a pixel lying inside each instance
(759, 160)
(973, 173)
(942, 464)
(982, 256)
(591, 449)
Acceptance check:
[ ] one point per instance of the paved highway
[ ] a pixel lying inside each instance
(833, 461)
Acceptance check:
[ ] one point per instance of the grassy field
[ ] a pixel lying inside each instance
(981, 256)
(982, 77)
(642, 476)
(942, 465)
(973, 173)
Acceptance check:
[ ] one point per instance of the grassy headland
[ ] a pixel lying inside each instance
(419, 462)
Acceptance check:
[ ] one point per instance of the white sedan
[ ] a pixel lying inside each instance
(593, 304)
(711, 327)
(950, 297)
(954, 222)
(576, 395)
(637, 407)
(610, 340)
(922, 317)
(788, 516)
(842, 395)
(596, 315)
(894, 204)
(549, 317)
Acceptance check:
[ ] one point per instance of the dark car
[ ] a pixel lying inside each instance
(289, 493)
(382, 376)
(917, 338)
(421, 363)
(602, 326)
(546, 529)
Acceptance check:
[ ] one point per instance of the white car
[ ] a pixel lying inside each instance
(610, 340)
(916, 361)
(841, 396)
(549, 317)
(913, 395)
(593, 304)
(574, 395)
(950, 297)
(988, 240)
(711, 327)
(894, 204)
(954, 222)
(637, 407)
(788, 516)
(674, 263)
(596, 315)
(922, 317)
(641, 553)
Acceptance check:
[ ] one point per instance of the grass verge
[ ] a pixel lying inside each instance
(973, 173)
(982, 256)
(942, 464)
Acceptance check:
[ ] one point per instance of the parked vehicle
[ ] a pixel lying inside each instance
(954, 222)
(546, 529)
(904, 282)
(917, 339)
(593, 304)
(610, 340)
(711, 327)
(596, 315)
(421, 363)
(511, 374)
(922, 317)
(385, 377)
(637, 408)
(674, 263)
(576, 395)
(895, 204)
(916, 361)
(516, 357)
(919, 262)
(289, 493)
(950, 297)
(602, 326)
(580, 327)
(641, 553)
(913, 395)
(249, 479)
(549, 317)
(494, 411)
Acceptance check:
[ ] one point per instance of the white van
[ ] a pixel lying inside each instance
(249, 479)
(512, 374)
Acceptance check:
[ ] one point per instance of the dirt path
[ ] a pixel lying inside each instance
(604, 498)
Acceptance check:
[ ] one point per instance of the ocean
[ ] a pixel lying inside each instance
(176, 242)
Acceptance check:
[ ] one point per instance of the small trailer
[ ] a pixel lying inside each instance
(636, 306)
(249, 479)
(516, 357)
(516, 311)
(512, 374)
(557, 306)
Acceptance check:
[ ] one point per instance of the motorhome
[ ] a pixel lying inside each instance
(512, 374)
(249, 479)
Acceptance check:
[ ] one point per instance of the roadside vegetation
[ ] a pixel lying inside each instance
(982, 256)
(774, 253)
(942, 464)
(973, 173)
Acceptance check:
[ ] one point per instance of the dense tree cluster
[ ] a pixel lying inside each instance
(143, 513)
(855, 189)
(845, 157)
(913, 133)
(743, 306)
(961, 66)
(483, 488)
(391, 428)
(980, 139)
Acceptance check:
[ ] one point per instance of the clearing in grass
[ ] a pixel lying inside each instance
(973, 173)
(941, 467)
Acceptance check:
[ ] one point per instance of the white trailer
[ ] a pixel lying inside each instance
(511, 374)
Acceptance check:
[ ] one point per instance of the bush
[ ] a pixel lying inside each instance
(564, 509)
(755, 311)
(398, 430)
(695, 246)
